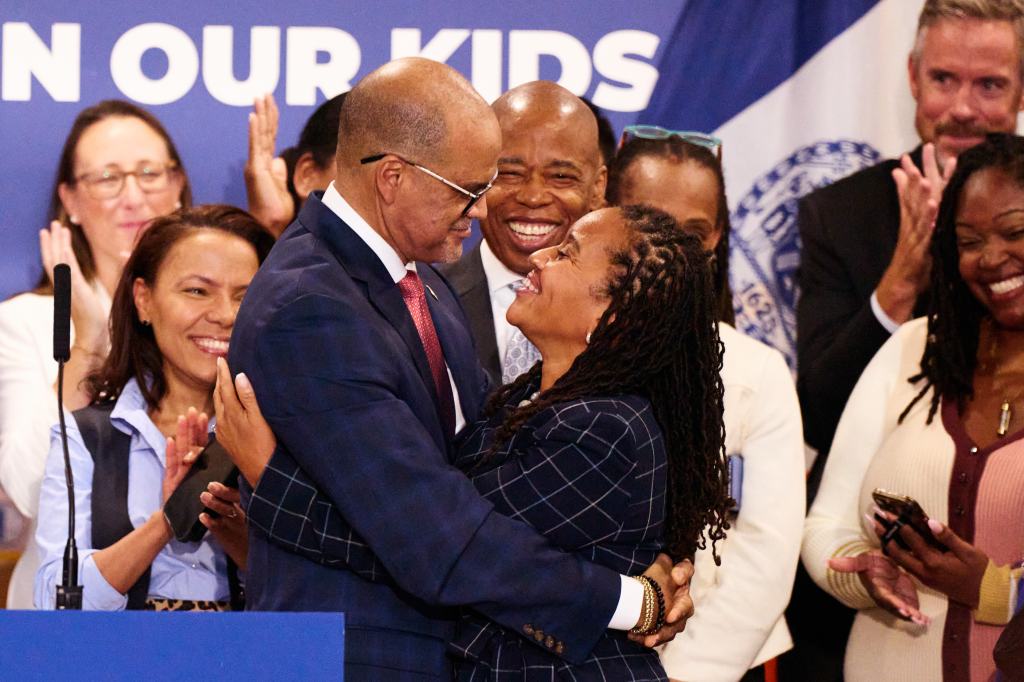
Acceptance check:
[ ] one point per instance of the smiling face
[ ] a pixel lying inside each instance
(990, 239)
(549, 175)
(565, 293)
(193, 302)
(111, 226)
(685, 190)
(966, 83)
(425, 221)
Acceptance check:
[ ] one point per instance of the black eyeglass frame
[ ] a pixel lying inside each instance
(473, 196)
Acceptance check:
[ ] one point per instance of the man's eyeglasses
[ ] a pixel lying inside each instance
(649, 132)
(473, 196)
(109, 182)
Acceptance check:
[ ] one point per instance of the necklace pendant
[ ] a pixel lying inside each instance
(1004, 419)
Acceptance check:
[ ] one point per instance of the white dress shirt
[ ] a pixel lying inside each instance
(500, 280)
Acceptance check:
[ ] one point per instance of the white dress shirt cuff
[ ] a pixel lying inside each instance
(631, 603)
(97, 593)
(890, 324)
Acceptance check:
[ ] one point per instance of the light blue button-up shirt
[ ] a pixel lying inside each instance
(180, 570)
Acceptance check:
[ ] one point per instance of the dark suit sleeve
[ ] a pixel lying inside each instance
(365, 449)
(837, 332)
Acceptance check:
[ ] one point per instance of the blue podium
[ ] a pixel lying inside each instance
(135, 645)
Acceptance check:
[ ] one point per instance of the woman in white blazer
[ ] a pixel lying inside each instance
(118, 170)
(739, 622)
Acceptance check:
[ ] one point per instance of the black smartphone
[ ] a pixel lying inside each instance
(183, 507)
(909, 512)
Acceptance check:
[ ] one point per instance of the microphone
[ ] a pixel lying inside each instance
(62, 312)
(69, 592)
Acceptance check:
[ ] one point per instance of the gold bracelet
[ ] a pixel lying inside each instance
(648, 615)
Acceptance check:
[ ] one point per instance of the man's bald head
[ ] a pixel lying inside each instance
(550, 171)
(412, 107)
(545, 103)
(420, 143)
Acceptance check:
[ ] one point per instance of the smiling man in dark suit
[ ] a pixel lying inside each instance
(863, 273)
(365, 369)
(550, 173)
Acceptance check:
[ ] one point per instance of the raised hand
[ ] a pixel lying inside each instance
(88, 313)
(241, 428)
(266, 175)
(919, 196)
(183, 448)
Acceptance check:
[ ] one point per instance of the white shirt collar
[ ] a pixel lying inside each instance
(498, 274)
(387, 255)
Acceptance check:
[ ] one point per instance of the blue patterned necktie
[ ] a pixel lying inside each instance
(520, 356)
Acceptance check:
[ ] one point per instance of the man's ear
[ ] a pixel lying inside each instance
(389, 178)
(597, 199)
(307, 175)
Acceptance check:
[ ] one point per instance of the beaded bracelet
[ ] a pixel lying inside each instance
(653, 612)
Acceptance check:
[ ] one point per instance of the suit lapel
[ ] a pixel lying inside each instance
(455, 343)
(470, 283)
(362, 264)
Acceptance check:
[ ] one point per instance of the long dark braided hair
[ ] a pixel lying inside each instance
(659, 339)
(678, 150)
(954, 314)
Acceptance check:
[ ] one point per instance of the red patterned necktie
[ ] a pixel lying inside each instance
(416, 301)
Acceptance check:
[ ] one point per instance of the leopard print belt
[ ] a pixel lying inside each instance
(185, 605)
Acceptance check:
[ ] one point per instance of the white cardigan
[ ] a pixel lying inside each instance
(28, 408)
(739, 622)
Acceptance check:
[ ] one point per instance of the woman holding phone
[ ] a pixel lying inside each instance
(937, 417)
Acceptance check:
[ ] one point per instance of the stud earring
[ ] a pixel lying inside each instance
(588, 338)
(145, 323)
(177, 204)
(73, 219)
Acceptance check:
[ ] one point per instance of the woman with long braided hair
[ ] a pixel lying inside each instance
(740, 623)
(936, 416)
(611, 446)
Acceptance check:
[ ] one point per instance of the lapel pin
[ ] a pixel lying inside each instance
(431, 292)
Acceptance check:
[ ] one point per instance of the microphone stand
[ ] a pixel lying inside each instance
(69, 592)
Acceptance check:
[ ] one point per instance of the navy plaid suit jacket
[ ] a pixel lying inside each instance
(589, 474)
(325, 338)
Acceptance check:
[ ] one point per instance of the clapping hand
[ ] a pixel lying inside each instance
(88, 313)
(919, 196)
(183, 448)
(266, 175)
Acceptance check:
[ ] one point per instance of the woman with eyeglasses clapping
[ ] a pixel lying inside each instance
(118, 170)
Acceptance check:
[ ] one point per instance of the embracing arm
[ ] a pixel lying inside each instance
(368, 452)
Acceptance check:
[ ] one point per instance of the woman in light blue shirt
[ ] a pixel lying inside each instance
(171, 318)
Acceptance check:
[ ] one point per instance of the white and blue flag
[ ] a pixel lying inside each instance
(802, 94)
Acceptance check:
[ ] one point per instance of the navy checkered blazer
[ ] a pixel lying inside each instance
(589, 474)
(325, 338)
